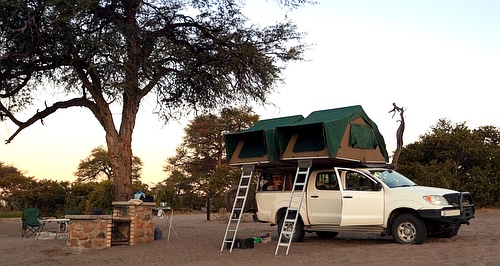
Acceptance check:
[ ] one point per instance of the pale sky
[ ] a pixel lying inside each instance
(437, 58)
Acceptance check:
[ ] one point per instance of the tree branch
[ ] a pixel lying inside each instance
(399, 133)
(17, 89)
(44, 113)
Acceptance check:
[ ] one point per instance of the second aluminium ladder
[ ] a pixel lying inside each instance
(294, 204)
(238, 207)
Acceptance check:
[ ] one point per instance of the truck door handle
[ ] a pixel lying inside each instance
(347, 197)
(314, 196)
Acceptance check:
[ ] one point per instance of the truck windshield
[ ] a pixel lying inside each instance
(392, 178)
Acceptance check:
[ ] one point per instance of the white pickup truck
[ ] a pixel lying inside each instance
(371, 200)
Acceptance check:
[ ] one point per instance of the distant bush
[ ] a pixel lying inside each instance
(11, 214)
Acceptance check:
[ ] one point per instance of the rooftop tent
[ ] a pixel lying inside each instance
(346, 134)
(259, 143)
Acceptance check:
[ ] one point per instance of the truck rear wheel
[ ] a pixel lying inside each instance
(230, 196)
(408, 229)
(298, 234)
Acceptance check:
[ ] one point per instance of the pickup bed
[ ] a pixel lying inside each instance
(372, 200)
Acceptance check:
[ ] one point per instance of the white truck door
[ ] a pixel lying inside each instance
(362, 200)
(324, 203)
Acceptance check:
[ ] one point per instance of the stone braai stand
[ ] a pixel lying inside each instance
(130, 224)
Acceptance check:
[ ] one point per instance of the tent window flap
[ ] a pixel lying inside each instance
(253, 147)
(362, 137)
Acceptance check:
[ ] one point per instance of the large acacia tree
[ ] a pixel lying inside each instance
(105, 55)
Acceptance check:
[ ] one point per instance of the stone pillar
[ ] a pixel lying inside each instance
(140, 217)
(88, 231)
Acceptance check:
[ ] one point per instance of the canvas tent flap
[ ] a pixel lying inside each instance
(259, 143)
(362, 137)
(343, 132)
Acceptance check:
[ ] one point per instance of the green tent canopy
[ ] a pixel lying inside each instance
(258, 143)
(344, 134)
(325, 130)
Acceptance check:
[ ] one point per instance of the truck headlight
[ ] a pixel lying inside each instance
(436, 200)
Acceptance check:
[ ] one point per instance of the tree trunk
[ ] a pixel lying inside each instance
(399, 134)
(120, 150)
(208, 208)
(120, 155)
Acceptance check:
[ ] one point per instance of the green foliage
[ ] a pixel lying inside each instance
(97, 166)
(16, 191)
(11, 214)
(456, 157)
(8, 170)
(139, 186)
(49, 196)
(180, 192)
(19, 192)
(77, 197)
(101, 197)
(53, 198)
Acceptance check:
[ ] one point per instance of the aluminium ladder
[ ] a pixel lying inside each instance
(294, 204)
(238, 207)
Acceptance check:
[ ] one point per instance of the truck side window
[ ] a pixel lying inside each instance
(327, 181)
(358, 181)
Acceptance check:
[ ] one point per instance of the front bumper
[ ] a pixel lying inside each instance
(461, 212)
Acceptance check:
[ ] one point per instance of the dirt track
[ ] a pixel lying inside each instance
(200, 242)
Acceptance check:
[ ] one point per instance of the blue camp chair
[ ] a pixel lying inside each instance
(31, 222)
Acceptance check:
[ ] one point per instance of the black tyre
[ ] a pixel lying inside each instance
(451, 232)
(230, 195)
(326, 235)
(298, 234)
(408, 229)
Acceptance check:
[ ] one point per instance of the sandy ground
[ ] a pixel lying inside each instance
(200, 242)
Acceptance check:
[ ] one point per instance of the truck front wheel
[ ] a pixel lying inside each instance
(408, 229)
(298, 234)
(450, 232)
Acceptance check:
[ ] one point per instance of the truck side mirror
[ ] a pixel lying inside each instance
(378, 186)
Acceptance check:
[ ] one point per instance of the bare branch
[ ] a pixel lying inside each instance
(44, 113)
(399, 133)
(397, 109)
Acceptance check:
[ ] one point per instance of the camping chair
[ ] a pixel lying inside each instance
(31, 224)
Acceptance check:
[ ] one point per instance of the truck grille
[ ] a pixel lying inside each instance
(459, 199)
